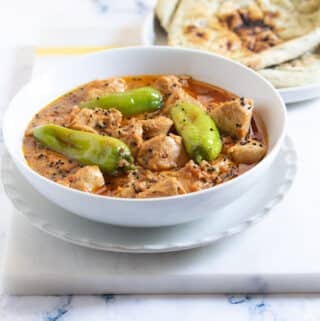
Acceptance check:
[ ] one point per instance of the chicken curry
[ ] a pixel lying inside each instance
(145, 136)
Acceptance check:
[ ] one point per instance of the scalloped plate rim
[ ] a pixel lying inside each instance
(21, 205)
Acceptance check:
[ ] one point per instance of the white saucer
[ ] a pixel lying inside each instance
(300, 93)
(234, 218)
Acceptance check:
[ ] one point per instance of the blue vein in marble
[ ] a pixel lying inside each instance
(141, 6)
(101, 5)
(260, 305)
(60, 310)
(260, 308)
(107, 297)
(238, 299)
(256, 306)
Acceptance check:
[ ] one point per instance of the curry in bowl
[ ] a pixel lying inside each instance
(145, 136)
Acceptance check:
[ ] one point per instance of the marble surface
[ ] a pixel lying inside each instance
(159, 308)
(109, 307)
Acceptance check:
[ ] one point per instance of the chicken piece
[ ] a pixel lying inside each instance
(194, 177)
(87, 179)
(179, 95)
(162, 153)
(125, 192)
(96, 120)
(167, 187)
(100, 88)
(247, 152)
(224, 167)
(233, 117)
(156, 126)
(167, 84)
(133, 183)
(131, 134)
(81, 119)
(131, 190)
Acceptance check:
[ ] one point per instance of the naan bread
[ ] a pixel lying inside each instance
(301, 71)
(259, 33)
(165, 10)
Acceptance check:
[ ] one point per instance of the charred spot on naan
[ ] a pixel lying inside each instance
(196, 34)
(226, 42)
(254, 27)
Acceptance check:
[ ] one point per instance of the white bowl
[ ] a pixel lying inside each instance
(136, 61)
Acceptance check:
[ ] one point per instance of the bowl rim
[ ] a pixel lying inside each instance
(240, 178)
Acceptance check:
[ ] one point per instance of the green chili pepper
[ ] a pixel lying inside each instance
(131, 102)
(200, 135)
(110, 154)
